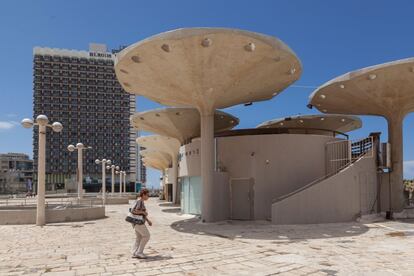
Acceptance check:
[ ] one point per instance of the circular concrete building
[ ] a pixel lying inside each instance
(384, 90)
(216, 68)
(320, 124)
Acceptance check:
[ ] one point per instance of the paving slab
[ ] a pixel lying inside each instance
(181, 245)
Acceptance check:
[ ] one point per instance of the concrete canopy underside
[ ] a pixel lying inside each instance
(208, 69)
(155, 163)
(384, 90)
(160, 156)
(217, 68)
(316, 123)
(179, 122)
(167, 145)
(159, 143)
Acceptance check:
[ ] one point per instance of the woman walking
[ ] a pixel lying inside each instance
(141, 231)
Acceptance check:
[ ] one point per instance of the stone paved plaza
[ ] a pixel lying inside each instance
(180, 245)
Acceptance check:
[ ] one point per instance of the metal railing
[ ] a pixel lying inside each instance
(340, 154)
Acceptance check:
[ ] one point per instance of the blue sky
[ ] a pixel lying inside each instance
(330, 38)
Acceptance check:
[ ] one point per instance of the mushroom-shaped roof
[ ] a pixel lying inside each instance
(160, 143)
(179, 122)
(156, 155)
(316, 123)
(386, 90)
(155, 163)
(207, 68)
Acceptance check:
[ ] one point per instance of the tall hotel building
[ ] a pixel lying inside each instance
(80, 90)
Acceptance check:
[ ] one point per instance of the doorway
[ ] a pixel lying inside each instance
(242, 198)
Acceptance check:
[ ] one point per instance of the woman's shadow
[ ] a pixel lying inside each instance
(153, 258)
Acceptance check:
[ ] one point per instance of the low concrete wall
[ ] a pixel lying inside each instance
(117, 200)
(27, 215)
(340, 198)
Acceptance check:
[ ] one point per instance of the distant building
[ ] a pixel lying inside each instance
(141, 169)
(16, 171)
(80, 90)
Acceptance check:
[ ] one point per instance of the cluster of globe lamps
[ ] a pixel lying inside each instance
(42, 122)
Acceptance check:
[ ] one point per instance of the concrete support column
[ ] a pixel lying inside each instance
(207, 166)
(80, 173)
(103, 183)
(395, 138)
(173, 176)
(41, 175)
(120, 183)
(124, 179)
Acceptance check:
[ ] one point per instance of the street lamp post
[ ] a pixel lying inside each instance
(42, 122)
(80, 148)
(112, 168)
(104, 162)
(124, 178)
(118, 171)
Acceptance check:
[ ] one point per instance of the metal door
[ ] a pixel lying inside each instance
(242, 198)
(169, 192)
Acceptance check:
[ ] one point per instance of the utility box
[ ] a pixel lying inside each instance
(385, 157)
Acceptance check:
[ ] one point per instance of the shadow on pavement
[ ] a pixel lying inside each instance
(172, 210)
(264, 230)
(153, 258)
(168, 204)
(74, 224)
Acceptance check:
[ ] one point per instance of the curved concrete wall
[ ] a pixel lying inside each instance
(340, 198)
(27, 215)
(277, 163)
(190, 162)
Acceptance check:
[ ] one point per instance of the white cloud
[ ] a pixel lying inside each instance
(409, 169)
(6, 125)
(11, 115)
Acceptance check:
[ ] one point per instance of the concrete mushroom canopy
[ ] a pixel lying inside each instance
(163, 157)
(208, 69)
(160, 143)
(385, 90)
(157, 164)
(316, 124)
(167, 145)
(179, 122)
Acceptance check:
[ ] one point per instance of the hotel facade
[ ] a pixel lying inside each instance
(80, 90)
